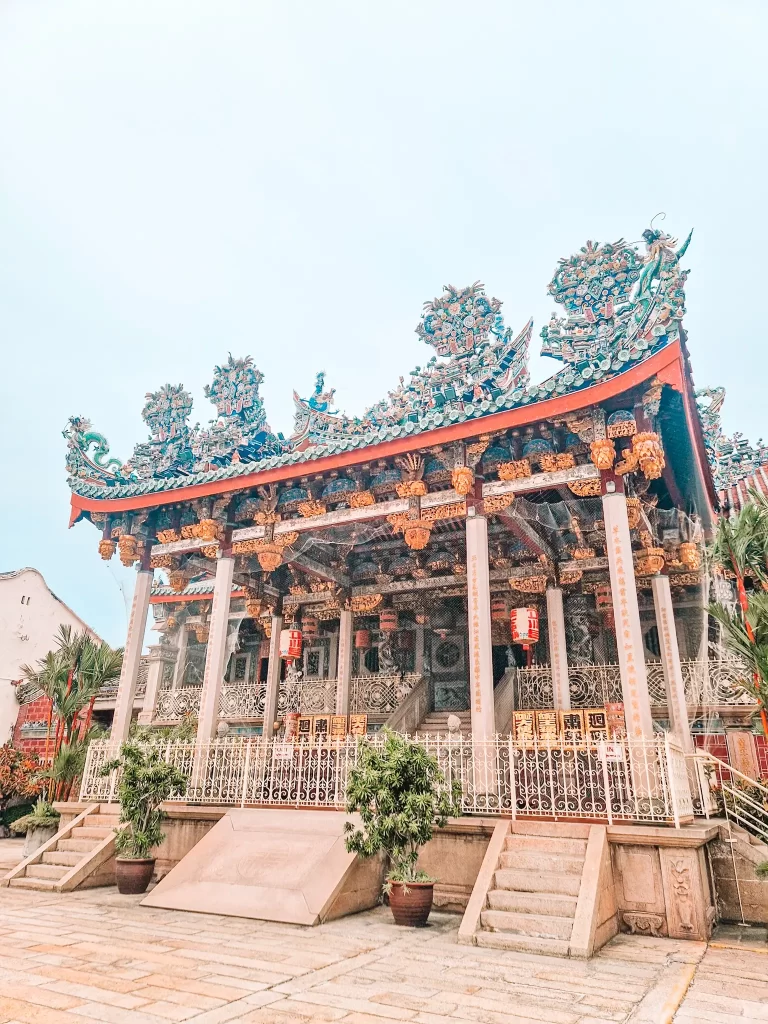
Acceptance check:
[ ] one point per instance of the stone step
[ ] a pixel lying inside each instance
(553, 829)
(47, 884)
(77, 845)
(537, 881)
(533, 860)
(62, 857)
(522, 943)
(103, 820)
(546, 844)
(540, 926)
(90, 832)
(54, 871)
(532, 903)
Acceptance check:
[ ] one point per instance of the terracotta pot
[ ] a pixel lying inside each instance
(133, 875)
(411, 903)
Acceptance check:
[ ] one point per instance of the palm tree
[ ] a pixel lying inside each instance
(741, 547)
(71, 676)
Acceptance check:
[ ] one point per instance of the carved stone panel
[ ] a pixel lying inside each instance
(639, 888)
(686, 892)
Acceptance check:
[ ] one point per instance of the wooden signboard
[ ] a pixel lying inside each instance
(617, 726)
(524, 726)
(305, 728)
(572, 725)
(358, 725)
(596, 722)
(322, 726)
(338, 727)
(547, 726)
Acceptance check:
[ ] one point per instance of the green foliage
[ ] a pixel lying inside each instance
(401, 795)
(44, 815)
(185, 731)
(12, 814)
(741, 541)
(754, 653)
(762, 869)
(146, 780)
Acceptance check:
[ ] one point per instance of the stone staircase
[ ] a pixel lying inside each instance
(80, 855)
(535, 889)
(436, 723)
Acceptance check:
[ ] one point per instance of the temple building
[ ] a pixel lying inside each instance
(473, 555)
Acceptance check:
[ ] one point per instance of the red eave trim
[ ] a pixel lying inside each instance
(550, 408)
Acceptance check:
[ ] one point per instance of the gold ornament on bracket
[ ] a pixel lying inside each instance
(161, 562)
(411, 489)
(361, 499)
(585, 488)
(168, 536)
(365, 603)
(517, 470)
(650, 454)
(106, 549)
(649, 561)
(254, 603)
(417, 533)
(209, 550)
(550, 462)
(570, 576)
(497, 503)
(603, 453)
(310, 509)
(208, 529)
(689, 555)
(128, 548)
(462, 479)
(529, 584)
(633, 512)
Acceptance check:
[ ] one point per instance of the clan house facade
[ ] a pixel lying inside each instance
(473, 558)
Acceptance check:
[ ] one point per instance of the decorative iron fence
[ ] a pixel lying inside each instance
(706, 684)
(726, 792)
(627, 780)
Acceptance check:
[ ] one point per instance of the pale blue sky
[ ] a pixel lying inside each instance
(293, 179)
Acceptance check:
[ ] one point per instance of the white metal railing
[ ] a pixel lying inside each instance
(622, 780)
(380, 694)
(707, 684)
(724, 790)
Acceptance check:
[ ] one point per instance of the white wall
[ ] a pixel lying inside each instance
(30, 617)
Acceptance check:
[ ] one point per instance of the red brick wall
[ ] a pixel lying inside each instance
(716, 744)
(35, 711)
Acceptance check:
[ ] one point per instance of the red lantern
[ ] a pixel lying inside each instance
(309, 626)
(603, 599)
(363, 640)
(499, 609)
(290, 644)
(525, 626)
(388, 620)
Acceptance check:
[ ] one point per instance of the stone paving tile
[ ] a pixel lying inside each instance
(730, 987)
(119, 963)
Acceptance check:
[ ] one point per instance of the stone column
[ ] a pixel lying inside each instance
(272, 692)
(629, 638)
(215, 656)
(160, 655)
(558, 652)
(479, 603)
(419, 659)
(670, 662)
(129, 674)
(344, 670)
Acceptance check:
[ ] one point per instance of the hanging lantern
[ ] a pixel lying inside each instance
(417, 532)
(270, 556)
(603, 453)
(525, 626)
(498, 609)
(290, 644)
(462, 479)
(603, 598)
(128, 547)
(309, 626)
(388, 620)
(689, 555)
(106, 549)
(363, 640)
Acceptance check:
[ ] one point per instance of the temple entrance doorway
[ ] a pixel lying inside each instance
(449, 671)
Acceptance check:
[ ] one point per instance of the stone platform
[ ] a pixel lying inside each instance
(273, 865)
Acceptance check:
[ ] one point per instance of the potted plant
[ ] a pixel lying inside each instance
(145, 782)
(401, 794)
(38, 827)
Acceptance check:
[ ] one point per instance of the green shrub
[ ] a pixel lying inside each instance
(146, 781)
(401, 795)
(44, 815)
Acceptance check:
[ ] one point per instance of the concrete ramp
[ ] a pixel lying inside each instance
(273, 865)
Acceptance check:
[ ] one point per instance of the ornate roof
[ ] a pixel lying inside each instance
(619, 306)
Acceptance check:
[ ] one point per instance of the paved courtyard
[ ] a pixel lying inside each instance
(98, 956)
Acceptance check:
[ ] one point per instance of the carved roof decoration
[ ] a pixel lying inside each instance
(620, 305)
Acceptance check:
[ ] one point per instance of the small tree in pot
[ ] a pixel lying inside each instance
(145, 782)
(400, 794)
